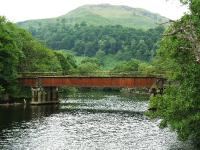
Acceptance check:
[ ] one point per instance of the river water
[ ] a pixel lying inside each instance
(112, 122)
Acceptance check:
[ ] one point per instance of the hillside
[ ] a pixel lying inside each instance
(110, 33)
(103, 14)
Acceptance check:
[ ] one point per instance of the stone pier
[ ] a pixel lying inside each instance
(44, 95)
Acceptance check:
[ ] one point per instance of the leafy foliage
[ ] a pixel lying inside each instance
(20, 53)
(88, 66)
(127, 67)
(179, 107)
(9, 57)
(134, 67)
(38, 58)
(67, 61)
(87, 40)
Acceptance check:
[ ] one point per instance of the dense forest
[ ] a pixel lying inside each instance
(86, 40)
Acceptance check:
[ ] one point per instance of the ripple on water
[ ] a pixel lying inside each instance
(79, 129)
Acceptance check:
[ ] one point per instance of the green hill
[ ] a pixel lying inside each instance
(112, 34)
(103, 14)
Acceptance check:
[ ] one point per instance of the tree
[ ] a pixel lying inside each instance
(129, 67)
(9, 58)
(67, 61)
(142, 51)
(79, 47)
(179, 56)
(20, 53)
(100, 56)
(89, 66)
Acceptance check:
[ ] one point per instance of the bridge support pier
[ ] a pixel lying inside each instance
(44, 95)
(158, 87)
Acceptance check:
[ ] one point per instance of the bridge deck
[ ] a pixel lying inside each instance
(59, 81)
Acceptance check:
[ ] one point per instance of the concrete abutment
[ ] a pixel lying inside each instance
(44, 95)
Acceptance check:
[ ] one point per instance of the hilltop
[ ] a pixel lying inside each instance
(103, 14)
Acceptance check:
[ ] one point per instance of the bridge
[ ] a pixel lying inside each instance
(45, 88)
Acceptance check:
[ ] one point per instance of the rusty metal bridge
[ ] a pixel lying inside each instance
(112, 82)
(44, 88)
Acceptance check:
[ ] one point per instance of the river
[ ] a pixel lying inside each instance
(111, 122)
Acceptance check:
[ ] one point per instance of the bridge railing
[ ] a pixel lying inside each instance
(36, 74)
(94, 74)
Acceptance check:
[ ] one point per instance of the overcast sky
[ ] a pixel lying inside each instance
(20, 10)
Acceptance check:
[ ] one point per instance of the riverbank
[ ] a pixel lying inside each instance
(11, 104)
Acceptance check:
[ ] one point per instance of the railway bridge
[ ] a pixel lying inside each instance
(45, 88)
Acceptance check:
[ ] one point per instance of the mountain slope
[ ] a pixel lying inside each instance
(101, 31)
(103, 14)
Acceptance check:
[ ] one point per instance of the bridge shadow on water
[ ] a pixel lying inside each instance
(68, 107)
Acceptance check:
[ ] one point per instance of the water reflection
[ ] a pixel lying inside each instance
(21, 113)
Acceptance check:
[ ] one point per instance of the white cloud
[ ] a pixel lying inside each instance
(20, 10)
